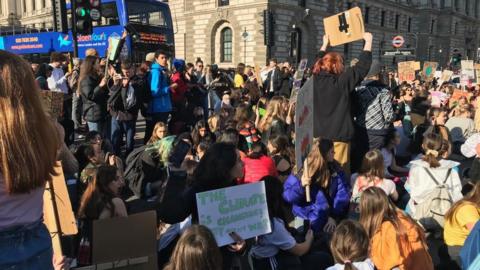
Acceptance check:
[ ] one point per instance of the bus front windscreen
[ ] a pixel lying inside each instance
(149, 13)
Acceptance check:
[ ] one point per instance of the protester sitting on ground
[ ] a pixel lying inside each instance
(460, 220)
(333, 86)
(396, 241)
(103, 149)
(350, 245)
(280, 150)
(232, 136)
(274, 121)
(257, 164)
(328, 191)
(389, 156)
(201, 150)
(28, 153)
(429, 172)
(201, 133)
(100, 201)
(268, 248)
(196, 249)
(219, 168)
(371, 174)
(160, 131)
(245, 126)
(461, 127)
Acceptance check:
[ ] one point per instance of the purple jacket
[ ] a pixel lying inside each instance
(335, 204)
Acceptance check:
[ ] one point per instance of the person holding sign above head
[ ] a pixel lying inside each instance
(333, 85)
(29, 147)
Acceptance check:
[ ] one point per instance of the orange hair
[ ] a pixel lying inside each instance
(331, 62)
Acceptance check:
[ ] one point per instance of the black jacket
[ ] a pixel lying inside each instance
(277, 81)
(331, 100)
(286, 86)
(118, 98)
(94, 99)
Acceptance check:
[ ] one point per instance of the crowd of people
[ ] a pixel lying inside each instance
(389, 170)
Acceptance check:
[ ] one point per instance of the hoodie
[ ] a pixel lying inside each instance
(160, 88)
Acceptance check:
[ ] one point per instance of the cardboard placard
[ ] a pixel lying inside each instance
(429, 69)
(417, 65)
(297, 80)
(127, 243)
(53, 102)
(457, 94)
(113, 43)
(406, 71)
(344, 27)
(304, 123)
(446, 75)
(477, 73)
(241, 209)
(468, 69)
(62, 205)
(438, 98)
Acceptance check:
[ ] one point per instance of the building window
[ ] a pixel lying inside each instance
(367, 14)
(409, 27)
(222, 3)
(432, 26)
(296, 45)
(457, 5)
(467, 7)
(382, 19)
(346, 51)
(33, 5)
(397, 20)
(455, 29)
(24, 3)
(302, 3)
(43, 4)
(226, 43)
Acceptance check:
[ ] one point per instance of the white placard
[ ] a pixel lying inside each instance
(241, 209)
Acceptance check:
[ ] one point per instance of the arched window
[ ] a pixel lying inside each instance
(296, 45)
(226, 43)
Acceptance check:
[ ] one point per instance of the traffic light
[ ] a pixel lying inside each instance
(60, 16)
(268, 25)
(456, 59)
(86, 12)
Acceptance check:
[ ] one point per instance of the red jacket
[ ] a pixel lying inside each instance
(255, 169)
(178, 94)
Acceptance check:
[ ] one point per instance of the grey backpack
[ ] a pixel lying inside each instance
(431, 212)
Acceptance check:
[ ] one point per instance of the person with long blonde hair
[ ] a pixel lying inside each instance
(196, 249)
(329, 191)
(460, 220)
(28, 153)
(274, 120)
(396, 241)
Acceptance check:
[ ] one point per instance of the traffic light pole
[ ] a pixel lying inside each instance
(74, 29)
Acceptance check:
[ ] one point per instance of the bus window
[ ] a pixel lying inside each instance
(147, 13)
(109, 15)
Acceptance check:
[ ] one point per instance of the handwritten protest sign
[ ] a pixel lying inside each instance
(428, 71)
(297, 80)
(446, 75)
(417, 66)
(438, 98)
(457, 94)
(477, 72)
(468, 69)
(113, 43)
(344, 27)
(53, 102)
(406, 71)
(241, 209)
(304, 123)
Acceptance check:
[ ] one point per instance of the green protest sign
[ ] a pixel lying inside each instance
(241, 209)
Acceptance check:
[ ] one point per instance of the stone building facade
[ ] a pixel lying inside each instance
(31, 14)
(214, 30)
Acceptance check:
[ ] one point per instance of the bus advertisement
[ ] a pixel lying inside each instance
(151, 19)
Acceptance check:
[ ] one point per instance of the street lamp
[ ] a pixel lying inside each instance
(245, 36)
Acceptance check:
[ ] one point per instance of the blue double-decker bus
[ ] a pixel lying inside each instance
(151, 19)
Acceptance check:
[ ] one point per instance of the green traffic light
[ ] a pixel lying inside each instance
(82, 12)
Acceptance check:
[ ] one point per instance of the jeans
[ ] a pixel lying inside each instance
(26, 247)
(118, 129)
(98, 126)
(77, 109)
(151, 120)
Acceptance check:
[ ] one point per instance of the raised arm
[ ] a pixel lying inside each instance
(353, 76)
